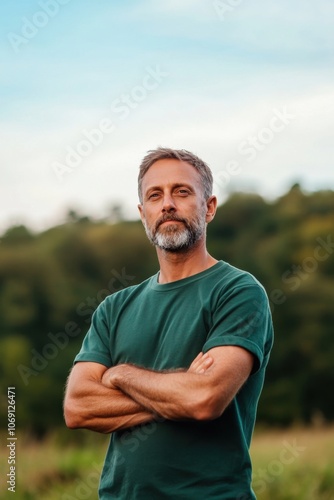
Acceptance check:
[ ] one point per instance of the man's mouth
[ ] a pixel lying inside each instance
(168, 221)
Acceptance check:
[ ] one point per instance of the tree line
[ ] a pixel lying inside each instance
(51, 282)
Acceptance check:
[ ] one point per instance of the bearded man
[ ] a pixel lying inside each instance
(173, 367)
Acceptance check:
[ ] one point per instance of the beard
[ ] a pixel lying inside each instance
(178, 237)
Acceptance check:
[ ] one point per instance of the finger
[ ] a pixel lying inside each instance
(204, 363)
(195, 362)
(198, 357)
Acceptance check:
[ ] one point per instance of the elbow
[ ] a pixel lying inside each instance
(207, 408)
(71, 423)
(204, 413)
(72, 417)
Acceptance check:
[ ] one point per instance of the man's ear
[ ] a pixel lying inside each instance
(211, 205)
(141, 212)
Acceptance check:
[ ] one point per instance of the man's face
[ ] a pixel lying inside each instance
(173, 210)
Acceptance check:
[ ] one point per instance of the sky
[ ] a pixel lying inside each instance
(87, 88)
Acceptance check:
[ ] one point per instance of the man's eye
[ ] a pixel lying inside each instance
(153, 195)
(183, 191)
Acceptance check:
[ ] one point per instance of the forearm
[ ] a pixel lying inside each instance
(92, 405)
(173, 395)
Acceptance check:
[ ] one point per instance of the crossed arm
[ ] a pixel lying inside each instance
(108, 399)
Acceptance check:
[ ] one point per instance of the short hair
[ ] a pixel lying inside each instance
(177, 154)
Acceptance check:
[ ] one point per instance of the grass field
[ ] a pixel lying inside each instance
(296, 464)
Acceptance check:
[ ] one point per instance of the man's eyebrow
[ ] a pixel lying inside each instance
(174, 186)
(183, 184)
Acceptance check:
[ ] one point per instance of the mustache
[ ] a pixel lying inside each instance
(168, 217)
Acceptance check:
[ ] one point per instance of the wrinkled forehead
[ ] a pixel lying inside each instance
(168, 172)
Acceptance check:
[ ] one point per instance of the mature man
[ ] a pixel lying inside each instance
(173, 367)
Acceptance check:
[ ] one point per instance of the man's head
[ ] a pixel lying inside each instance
(175, 189)
(176, 154)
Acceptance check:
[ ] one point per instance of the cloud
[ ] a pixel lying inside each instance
(213, 129)
(225, 79)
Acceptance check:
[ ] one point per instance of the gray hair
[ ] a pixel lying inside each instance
(177, 154)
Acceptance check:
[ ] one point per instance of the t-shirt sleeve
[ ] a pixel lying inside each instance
(242, 318)
(95, 346)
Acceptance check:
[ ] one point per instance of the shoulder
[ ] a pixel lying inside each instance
(128, 293)
(236, 291)
(238, 276)
(229, 278)
(113, 305)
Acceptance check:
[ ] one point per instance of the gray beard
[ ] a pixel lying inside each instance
(174, 238)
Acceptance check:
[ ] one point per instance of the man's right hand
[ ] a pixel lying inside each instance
(201, 363)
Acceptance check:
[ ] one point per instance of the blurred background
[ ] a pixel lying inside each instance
(86, 90)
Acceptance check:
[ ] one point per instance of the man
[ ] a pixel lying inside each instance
(174, 366)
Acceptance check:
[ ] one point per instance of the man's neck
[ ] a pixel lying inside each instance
(175, 266)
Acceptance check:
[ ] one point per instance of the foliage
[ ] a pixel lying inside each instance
(50, 283)
(294, 464)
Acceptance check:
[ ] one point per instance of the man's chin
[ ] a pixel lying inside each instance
(173, 249)
(173, 238)
(174, 245)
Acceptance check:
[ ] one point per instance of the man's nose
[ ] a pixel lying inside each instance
(168, 203)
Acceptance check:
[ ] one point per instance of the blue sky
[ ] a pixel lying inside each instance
(247, 85)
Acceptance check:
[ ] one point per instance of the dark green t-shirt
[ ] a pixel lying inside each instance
(165, 326)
